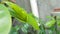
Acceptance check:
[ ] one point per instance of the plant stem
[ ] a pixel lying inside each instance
(55, 25)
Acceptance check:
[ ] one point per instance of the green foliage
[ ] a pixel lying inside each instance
(25, 28)
(51, 22)
(14, 30)
(58, 20)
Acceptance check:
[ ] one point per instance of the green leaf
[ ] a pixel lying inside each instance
(14, 30)
(58, 20)
(50, 23)
(5, 20)
(25, 28)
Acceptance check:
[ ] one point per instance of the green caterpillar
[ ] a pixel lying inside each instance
(22, 15)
